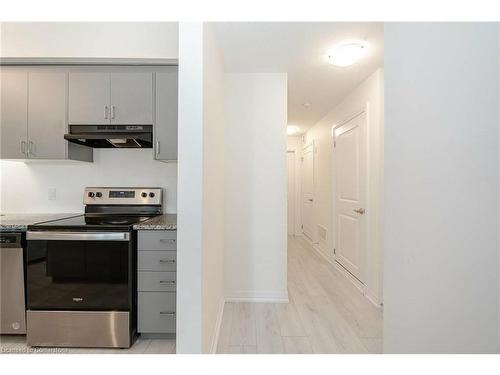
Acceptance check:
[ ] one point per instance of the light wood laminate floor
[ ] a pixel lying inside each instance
(326, 314)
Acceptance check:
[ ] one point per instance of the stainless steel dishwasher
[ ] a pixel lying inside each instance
(12, 301)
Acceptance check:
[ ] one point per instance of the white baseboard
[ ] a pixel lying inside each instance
(322, 252)
(374, 299)
(246, 296)
(358, 284)
(218, 323)
(255, 297)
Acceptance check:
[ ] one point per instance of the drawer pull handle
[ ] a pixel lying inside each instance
(168, 313)
(169, 240)
(170, 282)
(169, 261)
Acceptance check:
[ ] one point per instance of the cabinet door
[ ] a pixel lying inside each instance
(89, 98)
(165, 133)
(132, 98)
(47, 114)
(14, 113)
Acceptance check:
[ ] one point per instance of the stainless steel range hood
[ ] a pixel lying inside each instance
(111, 136)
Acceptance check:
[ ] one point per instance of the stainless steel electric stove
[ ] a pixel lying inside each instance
(81, 271)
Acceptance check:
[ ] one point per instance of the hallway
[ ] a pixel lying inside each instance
(326, 314)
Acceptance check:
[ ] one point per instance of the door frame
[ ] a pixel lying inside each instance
(360, 285)
(303, 147)
(293, 198)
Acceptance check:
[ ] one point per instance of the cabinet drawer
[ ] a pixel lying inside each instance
(156, 312)
(157, 240)
(156, 281)
(157, 261)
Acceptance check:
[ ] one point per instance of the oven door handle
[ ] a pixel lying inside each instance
(77, 236)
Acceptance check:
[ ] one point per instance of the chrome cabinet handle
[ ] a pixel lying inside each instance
(31, 148)
(170, 261)
(360, 211)
(168, 313)
(106, 112)
(157, 147)
(77, 236)
(23, 147)
(169, 282)
(112, 111)
(169, 240)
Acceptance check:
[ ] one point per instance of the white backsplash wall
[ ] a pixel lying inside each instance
(27, 187)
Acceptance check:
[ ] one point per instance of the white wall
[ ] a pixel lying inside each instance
(89, 39)
(25, 186)
(213, 188)
(441, 279)
(368, 95)
(190, 197)
(256, 186)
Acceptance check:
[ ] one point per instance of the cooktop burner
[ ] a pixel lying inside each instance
(111, 209)
(92, 222)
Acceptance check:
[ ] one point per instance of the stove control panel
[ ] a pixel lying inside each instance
(120, 196)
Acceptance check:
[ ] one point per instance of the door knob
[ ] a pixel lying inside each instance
(360, 211)
(310, 200)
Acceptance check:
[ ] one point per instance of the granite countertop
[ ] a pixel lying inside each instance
(20, 222)
(160, 222)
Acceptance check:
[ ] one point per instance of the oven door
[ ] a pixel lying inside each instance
(79, 271)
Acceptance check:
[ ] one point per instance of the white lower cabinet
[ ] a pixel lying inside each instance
(156, 312)
(156, 281)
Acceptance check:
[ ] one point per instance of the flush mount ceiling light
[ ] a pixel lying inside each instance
(346, 54)
(291, 129)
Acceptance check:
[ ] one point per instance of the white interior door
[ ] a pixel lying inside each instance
(291, 192)
(350, 175)
(307, 190)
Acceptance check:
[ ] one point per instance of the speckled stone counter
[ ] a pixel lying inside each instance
(20, 222)
(160, 222)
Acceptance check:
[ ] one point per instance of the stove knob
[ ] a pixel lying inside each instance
(91, 194)
(144, 195)
(98, 194)
(151, 195)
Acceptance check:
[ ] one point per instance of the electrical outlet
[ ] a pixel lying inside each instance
(52, 194)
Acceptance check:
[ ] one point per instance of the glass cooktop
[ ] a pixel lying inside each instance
(93, 222)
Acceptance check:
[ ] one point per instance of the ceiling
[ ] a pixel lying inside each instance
(300, 49)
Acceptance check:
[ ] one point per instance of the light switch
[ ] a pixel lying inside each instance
(52, 194)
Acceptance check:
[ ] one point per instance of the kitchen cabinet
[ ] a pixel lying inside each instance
(47, 114)
(89, 97)
(105, 97)
(14, 113)
(131, 98)
(33, 120)
(156, 275)
(40, 102)
(165, 131)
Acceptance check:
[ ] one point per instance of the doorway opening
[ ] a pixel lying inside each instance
(335, 260)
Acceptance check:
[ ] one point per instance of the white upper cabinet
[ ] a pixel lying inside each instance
(47, 114)
(89, 97)
(166, 114)
(97, 97)
(14, 113)
(132, 98)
